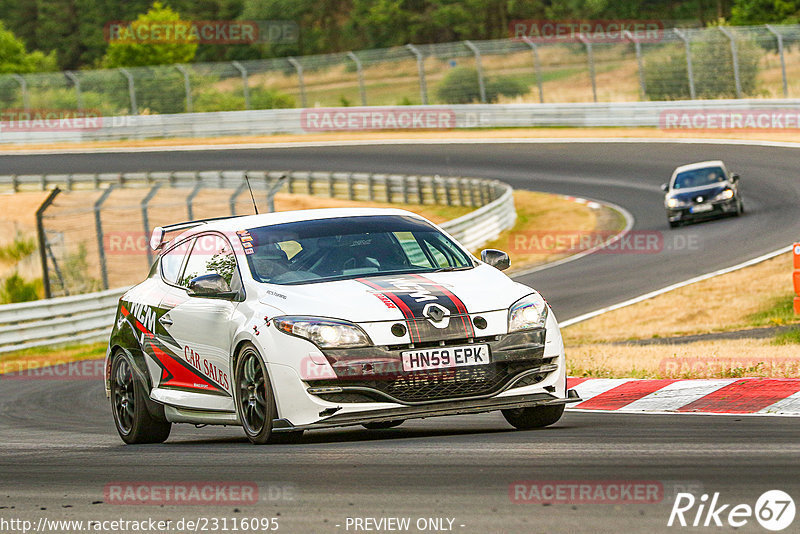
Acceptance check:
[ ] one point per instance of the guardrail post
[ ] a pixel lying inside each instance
(146, 220)
(43, 240)
(234, 196)
(371, 187)
(479, 68)
(423, 87)
(331, 185)
(361, 89)
(77, 83)
(245, 83)
(735, 58)
(131, 90)
(590, 59)
(190, 199)
(447, 194)
(23, 85)
(537, 66)
(98, 225)
(310, 184)
(779, 37)
(351, 190)
(420, 196)
(460, 183)
(404, 181)
(638, 47)
(187, 86)
(689, 72)
(387, 184)
(300, 83)
(434, 190)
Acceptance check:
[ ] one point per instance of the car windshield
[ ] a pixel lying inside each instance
(348, 247)
(699, 178)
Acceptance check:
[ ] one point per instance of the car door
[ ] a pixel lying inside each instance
(200, 330)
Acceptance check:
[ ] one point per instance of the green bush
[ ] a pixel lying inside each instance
(666, 75)
(270, 99)
(207, 101)
(461, 86)
(16, 289)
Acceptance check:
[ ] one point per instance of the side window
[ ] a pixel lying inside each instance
(172, 260)
(412, 249)
(210, 254)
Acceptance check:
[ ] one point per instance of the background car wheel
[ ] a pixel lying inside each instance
(740, 209)
(674, 224)
(134, 422)
(255, 402)
(535, 417)
(383, 424)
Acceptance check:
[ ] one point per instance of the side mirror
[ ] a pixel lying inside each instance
(665, 187)
(496, 258)
(734, 177)
(210, 286)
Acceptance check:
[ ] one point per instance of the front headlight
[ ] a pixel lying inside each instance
(726, 194)
(324, 333)
(527, 312)
(674, 203)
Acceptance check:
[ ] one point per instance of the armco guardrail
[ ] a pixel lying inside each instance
(297, 121)
(88, 317)
(76, 319)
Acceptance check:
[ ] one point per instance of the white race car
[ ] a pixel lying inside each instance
(291, 321)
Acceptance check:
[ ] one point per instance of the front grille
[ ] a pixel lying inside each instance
(434, 385)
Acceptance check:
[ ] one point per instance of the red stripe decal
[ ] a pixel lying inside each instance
(744, 396)
(407, 313)
(623, 394)
(468, 330)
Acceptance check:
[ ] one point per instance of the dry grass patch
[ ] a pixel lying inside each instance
(36, 358)
(714, 305)
(733, 358)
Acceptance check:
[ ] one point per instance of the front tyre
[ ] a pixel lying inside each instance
(534, 417)
(255, 403)
(381, 425)
(134, 422)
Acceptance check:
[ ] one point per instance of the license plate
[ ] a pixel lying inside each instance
(701, 208)
(445, 357)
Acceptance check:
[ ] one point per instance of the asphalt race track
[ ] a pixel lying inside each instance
(59, 447)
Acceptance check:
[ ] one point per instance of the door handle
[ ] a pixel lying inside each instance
(166, 321)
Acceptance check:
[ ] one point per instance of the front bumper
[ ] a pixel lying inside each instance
(454, 407)
(718, 209)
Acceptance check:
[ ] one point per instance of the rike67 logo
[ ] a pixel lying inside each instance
(774, 510)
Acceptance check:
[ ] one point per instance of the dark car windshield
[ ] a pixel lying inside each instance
(699, 178)
(348, 247)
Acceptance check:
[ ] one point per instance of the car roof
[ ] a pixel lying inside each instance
(233, 224)
(699, 165)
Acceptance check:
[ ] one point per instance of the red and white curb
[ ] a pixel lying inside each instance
(755, 396)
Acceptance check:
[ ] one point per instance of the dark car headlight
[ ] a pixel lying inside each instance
(323, 332)
(528, 312)
(725, 194)
(673, 202)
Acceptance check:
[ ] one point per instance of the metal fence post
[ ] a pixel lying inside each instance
(190, 199)
(23, 85)
(98, 225)
(131, 90)
(77, 83)
(235, 195)
(245, 83)
(479, 68)
(590, 59)
(301, 84)
(537, 66)
(187, 86)
(638, 47)
(779, 37)
(43, 240)
(687, 45)
(735, 59)
(423, 87)
(361, 89)
(146, 220)
(273, 190)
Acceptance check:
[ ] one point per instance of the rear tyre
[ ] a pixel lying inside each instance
(739, 209)
(134, 422)
(535, 417)
(255, 403)
(674, 224)
(383, 424)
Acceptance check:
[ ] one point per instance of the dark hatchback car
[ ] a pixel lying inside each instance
(702, 190)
